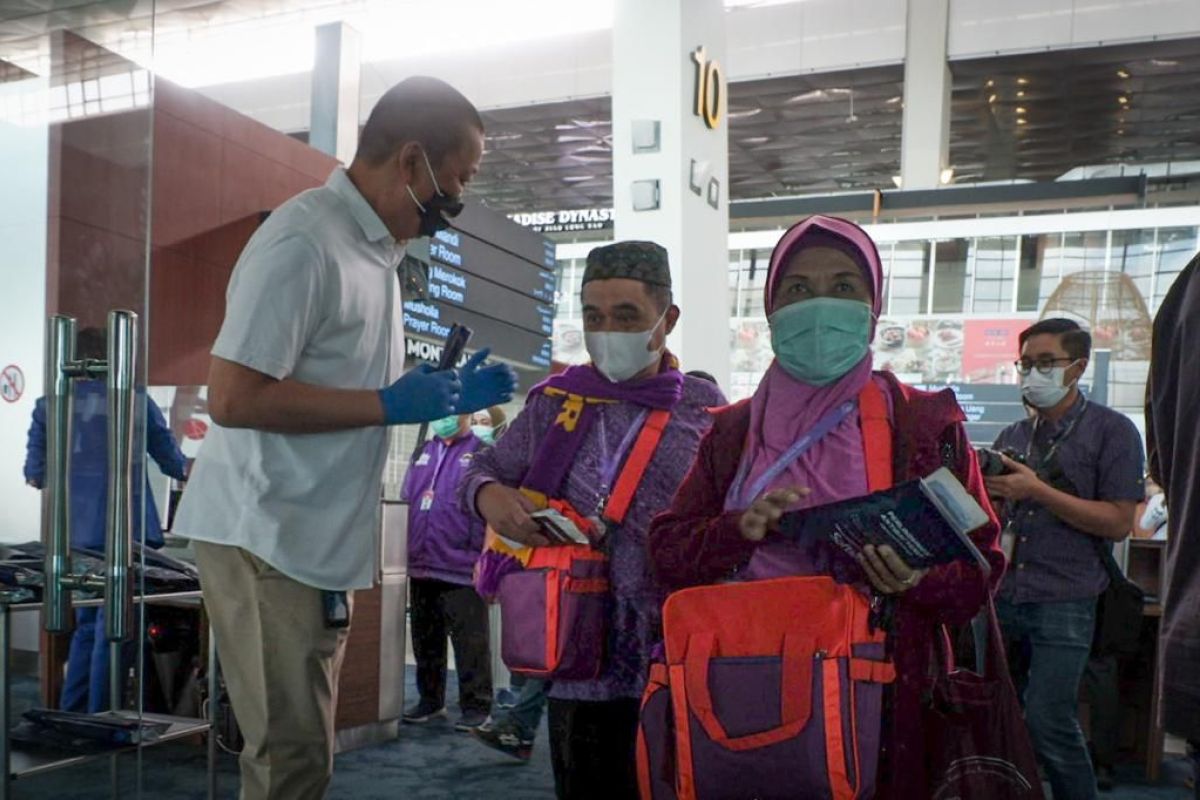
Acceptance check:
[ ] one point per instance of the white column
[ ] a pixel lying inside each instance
(925, 137)
(333, 126)
(661, 51)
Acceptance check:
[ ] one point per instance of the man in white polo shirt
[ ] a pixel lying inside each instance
(306, 375)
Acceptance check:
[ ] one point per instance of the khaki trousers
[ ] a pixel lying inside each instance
(281, 668)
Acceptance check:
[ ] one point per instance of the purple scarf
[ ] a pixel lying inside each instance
(582, 389)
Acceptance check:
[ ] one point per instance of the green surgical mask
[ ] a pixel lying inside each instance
(485, 433)
(445, 428)
(818, 341)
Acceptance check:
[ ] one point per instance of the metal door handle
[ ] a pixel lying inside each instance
(62, 367)
(118, 574)
(56, 507)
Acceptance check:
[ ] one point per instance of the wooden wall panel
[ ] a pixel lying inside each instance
(358, 690)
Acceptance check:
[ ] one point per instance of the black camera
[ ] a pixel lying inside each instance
(991, 464)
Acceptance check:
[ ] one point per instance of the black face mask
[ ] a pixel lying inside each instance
(433, 212)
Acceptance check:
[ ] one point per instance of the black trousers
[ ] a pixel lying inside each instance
(438, 609)
(593, 748)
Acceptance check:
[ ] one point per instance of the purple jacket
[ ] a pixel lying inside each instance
(637, 598)
(443, 541)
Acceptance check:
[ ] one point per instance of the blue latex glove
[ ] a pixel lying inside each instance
(422, 394)
(483, 387)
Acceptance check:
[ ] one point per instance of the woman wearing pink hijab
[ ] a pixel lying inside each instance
(823, 297)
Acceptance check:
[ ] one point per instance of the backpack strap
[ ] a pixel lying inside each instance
(877, 436)
(635, 465)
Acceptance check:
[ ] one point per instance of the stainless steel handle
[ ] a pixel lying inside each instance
(118, 575)
(60, 365)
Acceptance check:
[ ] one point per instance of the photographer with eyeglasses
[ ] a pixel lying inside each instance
(1068, 481)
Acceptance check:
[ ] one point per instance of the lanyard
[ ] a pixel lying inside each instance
(814, 434)
(1057, 440)
(609, 464)
(443, 451)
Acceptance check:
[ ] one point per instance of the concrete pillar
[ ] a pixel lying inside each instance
(333, 126)
(925, 138)
(671, 159)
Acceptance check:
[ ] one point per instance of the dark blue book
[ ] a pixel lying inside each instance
(926, 521)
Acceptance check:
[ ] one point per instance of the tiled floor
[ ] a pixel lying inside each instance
(428, 762)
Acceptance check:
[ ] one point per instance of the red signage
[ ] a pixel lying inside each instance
(989, 348)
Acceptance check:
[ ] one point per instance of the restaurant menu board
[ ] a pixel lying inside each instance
(489, 274)
(943, 349)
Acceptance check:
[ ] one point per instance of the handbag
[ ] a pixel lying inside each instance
(1118, 612)
(977, 745)
(774, 706)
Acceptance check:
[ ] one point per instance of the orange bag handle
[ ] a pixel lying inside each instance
(877, 436)
(795, 692)
(635, 466)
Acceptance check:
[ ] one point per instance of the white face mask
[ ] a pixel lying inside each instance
(620, 356)
(1045, 391)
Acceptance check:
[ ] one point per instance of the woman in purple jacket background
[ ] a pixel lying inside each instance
(443, 545)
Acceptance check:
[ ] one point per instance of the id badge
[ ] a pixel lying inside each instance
(426, 501)
(1008, 542)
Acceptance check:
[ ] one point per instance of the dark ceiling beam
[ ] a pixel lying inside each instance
(1120, 189)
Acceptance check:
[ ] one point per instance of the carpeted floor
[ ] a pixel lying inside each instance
(428, 762)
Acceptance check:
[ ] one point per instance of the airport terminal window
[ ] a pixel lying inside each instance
(1029, 272)
(735, 273)
(1050, 258)
(995, 272)
(1176, 247)
(752, 282)
(909, 273)
(570, 274)
(951, 276)
(1084, 251)
(1133, 254)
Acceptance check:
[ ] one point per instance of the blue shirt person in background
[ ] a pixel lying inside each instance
(1074, 496)
(86, 686)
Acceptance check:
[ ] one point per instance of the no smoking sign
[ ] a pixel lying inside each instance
(12, 383)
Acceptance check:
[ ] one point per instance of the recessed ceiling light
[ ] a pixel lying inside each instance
(992, 99)
(577, 178)
(1021, 121)
(1123, 100)
(745, 112)
(1022, 81)
(755, 139)
(1020, 110)
(990, 84)
(1021, 93)
(1122, 73)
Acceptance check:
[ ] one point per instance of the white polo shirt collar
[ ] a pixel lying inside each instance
(362, 212)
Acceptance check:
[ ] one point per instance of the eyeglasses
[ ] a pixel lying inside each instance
(1043, 365)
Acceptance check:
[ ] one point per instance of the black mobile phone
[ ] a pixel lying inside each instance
(452, 352)
(337, 609)
(456, 343)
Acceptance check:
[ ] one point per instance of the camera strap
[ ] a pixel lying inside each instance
(1056, 442)
(1008, 536)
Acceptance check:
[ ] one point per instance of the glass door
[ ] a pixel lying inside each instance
(102, 634)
